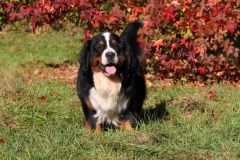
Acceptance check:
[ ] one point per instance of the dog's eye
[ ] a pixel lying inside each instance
(116, 46)
(100, 47)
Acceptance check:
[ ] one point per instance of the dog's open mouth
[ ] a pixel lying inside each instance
(108, 70)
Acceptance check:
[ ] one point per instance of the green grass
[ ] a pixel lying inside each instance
(176, 123)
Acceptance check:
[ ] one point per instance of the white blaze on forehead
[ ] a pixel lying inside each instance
(108, 49)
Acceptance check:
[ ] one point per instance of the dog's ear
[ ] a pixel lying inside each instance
(85, 53)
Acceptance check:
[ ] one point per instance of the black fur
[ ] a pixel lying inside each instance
(133, 82)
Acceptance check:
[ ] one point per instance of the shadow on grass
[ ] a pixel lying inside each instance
(156, 113)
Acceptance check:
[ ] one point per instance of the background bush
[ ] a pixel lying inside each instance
(189, 40)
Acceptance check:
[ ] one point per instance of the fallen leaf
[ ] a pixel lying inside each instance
(236, 84)
(222, 112)
(63, 69)
(42, 99)
(187, 116)
(212, 95)
(3, 140)
(36, 72)
(212, 115)
(149, 83)
(71, 82)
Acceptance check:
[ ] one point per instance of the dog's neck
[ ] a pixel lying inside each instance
(107, 86)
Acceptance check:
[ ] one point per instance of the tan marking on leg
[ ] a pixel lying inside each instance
(88, 103)
(126, 126)
(98, 128)
(87, 126)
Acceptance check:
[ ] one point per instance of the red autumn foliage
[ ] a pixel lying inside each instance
(198, 40)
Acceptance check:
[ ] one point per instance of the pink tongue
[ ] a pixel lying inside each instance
(110, 69)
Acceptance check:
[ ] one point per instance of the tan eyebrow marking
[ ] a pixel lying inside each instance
(101, 43)
(114, 42)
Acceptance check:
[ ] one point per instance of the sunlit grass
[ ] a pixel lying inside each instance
(41, 117)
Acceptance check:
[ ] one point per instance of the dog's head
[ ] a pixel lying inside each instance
(110, 54)
(103, 53)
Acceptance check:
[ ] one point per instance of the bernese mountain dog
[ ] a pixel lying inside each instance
(110, 83)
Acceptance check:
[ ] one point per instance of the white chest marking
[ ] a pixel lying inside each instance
(106, 98)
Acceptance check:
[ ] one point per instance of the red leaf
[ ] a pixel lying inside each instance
(42, 99)
(144, 30)
(158, 43)
(111, 19)
(172, 62)
(231, 27)
(8, 7)
(200, 13)
(86, 34)
(117, 12)
(215, 11)
(200, 50)
(95, 23)
(187, 2)
(170, 15)
(216, 2)
(71, 82)
(136, 10)
(12, 16)
(212, 95)
(202, 70)
(230, 51)
(49, 8)
(144, 9)
(212, 115)
(132, 18)
(174, 45)
(238, 3)
(63, 69)
(182, 41)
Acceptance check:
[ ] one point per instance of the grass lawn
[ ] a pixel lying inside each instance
(41, 117)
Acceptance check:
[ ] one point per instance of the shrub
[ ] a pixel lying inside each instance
(190, 40)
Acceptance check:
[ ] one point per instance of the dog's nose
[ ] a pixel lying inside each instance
(110, 55)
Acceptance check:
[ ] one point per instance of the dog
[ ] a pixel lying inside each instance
(110, 82)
